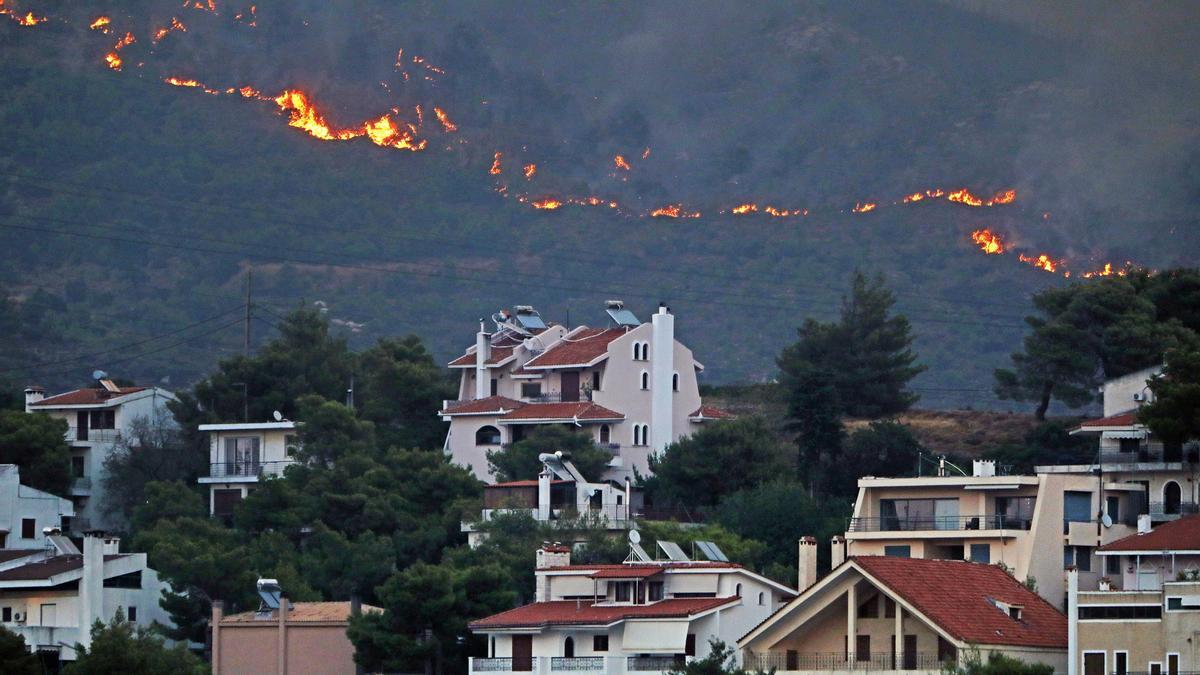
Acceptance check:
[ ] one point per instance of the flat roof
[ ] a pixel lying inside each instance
(247, 426)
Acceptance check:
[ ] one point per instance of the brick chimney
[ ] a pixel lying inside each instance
(553, 555)
(807, 568)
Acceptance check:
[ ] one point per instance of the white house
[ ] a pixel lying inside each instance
(630, 385)
(25, 512)
(99, 419)
(640, 616)
(240, 454)
(51, 597)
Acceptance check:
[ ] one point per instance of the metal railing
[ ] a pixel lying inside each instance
(92, 435)
(1188, 455)
(676, 515)
(651, 663)
(947, 523)
(247, 469)
(81, 483)
(784, 661)
(573, 663)
(502, 664)
(1180, 509)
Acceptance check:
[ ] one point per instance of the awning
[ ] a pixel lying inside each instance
(1124, 433)
(655, 637)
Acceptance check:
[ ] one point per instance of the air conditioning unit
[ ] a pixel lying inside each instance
(18, 617)
(1139, 397)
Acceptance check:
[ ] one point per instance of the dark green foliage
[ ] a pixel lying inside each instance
(720, 458)
(721, 660)
(15, 656)
(121, 647)
(866, 356)
(884, 448)
(970, 663)
(1048, 443)
(154, 451)
(777, 514)
(1085, 333)
(1174, 414)
(399, 385)
(35, 443)
(331, 431)
(519, 461)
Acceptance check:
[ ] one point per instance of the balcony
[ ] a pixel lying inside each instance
(86, 435)
(938, 523)
(793, 662)
(543, 665)
(81, 486)
(242, 472)
(1164, 511)
(1154, 455)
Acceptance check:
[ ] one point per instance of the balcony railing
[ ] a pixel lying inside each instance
(1161, 509)
(799, 661)
(576, 663)
(651, 663)
(498, 665)
(1189, 455)
(247, 469)
(77, 434)
(81, 483)
(945, 523)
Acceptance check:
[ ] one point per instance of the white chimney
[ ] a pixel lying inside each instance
(1143, 524)
(837, 550)
(549, 556)
(483, 383)
(544, 495)
(807, 567)
(91, 585)
(33, 394)
(983, 468)
(662, 371)
(1072, 621)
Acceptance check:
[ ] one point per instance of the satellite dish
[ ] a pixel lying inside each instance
(1106, 520)
(278, 416)
(99, 374)
(635, 537)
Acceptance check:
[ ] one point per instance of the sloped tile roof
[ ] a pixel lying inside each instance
(86, 396)
(581, 347)
(497, 355)
(1177, 535)
(491, 404)
(45, 569)
(1125, 419)
(711, 412)
(957, 595)
(569, 612)
(579, 410)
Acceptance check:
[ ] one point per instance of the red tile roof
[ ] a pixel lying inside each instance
(491, 404)
(1177, 535)
(1125, 419)
(87, 396)
(579, 410)
(523, 483)
(629, 572)
(957, 595)
(569, 612)
(580, 348)
(699, 564)
(711, 412)
(497, 355)
(44, 569)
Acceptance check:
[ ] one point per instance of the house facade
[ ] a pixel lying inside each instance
(51, 597)
(27, 513)
(879, 613)
(630, 385)
(241, 454)
(637, 617)
(99, 420)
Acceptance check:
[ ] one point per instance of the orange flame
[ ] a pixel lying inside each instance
(964, 196)
(620, 163)
(1043, 262)
(673, 211)
(101, 23)
(1108, 270)
(205, 5)
(530, 171)
(988, 242)
(113, 60)
(548, 204)
(745, 208)
(385, 133)
(495, 170)
(161, 33)
(447, 125)
(179, 82)
(864, 207)
(29, 19)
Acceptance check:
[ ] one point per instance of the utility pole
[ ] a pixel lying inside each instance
(249, 279)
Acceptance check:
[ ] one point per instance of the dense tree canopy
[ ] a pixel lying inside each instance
(122, 647)
(15, 655)
(519, 461)
(35, 442)
(1174, 414)
(154, 451)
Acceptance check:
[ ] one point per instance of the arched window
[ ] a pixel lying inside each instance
(637, 351)
(605, 433)
(487, 435)
(645, 380)
(640, 434)
(675, 382)
(737, 590)
(1172, 496)
(569, 648)
(762, 598)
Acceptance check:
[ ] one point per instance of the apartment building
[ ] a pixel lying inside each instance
(99, 419)
(879, 613)
(240, 454)
(52, 596)
(642, 616)
(559, 495)
(630, 385)
(27, 513)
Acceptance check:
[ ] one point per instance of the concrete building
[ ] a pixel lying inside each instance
(51, 597)
(560, 494)
(27, 513)
(99, 420)
(630, 385)
(302, 638)
(240, 454)
(878, 613)
(642, 616)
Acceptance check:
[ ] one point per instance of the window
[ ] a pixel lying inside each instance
(1181, 605)
(737, 590)
(981, 553)
(132, 615)
(623, 591)
(1077, 507)
(889, 608)
(569, 647)
(641, 351)
(1130, 444)
(599, 643)
(242, 455)
(495, 386)
(870, 608)
(1014, 613)
(28, 528)
(1112, 506)
(595, 380)
(103, 419)
(898, 551)
(487, 435)
(645, 380)
(1172, 497)
(655, 591)
(1120, 663)
(77, 466)
(1119, 612)
(689, 645)
(6, 614)
(1015, 512)
(1112, 565)
(762, 599)
(531, 389)
(605, 433)
(946, 650)
(1079, 556)
(291, 445)
(641, 434)
(918, 514)
(675, 382)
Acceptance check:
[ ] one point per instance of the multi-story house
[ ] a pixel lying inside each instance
(1145, 617)
(631, 386)
(51, 597)
(879, 613)
(240, 454)
(559, 495)
(639, 617)
(99, 419)
(27, 513)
